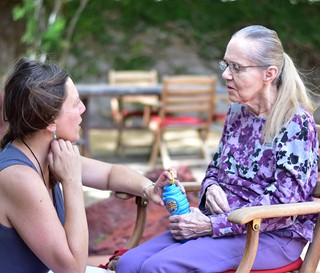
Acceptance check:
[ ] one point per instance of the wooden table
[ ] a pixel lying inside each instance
(88, 91)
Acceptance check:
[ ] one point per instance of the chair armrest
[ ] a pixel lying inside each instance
(245, 215)
(251, 216)
(123, 195)
(191, 186)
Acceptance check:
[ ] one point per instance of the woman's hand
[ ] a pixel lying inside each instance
(191, 225)
(216, 200)
(155, 193)
(64, 161)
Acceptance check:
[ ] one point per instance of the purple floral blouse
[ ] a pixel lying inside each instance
(253, 173)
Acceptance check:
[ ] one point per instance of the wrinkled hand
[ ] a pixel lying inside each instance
(164, 179)
(216, 200)
(191, 225)
(64, 161)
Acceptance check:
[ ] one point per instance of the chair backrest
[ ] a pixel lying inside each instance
(133, 77)
(185, 94)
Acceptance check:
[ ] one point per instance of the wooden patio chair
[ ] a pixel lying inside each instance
(187, 104)
(251, 217)
(124, 109)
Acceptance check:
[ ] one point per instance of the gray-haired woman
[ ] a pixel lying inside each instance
(268, 154)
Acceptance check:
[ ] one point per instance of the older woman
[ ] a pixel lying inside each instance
(267, 155)
(41, 226)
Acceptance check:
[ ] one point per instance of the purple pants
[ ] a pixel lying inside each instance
(163, 254)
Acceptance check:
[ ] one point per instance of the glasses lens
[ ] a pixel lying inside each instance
(223, 65)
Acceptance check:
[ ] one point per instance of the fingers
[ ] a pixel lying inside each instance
(64, 160)
(190, 225)
(50, 158)
(216, 200)
(62, 145)
(174, 180)
(166, 177)
(170, 174)
(222, 202)
(178, 183)
(212, 206)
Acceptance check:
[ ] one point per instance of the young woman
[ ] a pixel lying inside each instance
(41, 227)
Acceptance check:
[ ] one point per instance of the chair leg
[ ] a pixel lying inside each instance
(311, 261)
(205, 151)
(165, 157)
(146, 116)
(155, 151)
(205, 146)
(118, 120)
(141, 217)
(250, 248)
(137, 233)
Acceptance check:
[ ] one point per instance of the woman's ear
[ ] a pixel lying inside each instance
(270, 74)
(52, 128)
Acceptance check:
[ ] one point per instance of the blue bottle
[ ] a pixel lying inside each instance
(175, 201)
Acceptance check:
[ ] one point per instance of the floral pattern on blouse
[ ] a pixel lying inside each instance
(253, 173)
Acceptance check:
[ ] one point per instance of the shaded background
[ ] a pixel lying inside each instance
(89, 37)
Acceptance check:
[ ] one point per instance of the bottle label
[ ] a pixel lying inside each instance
(171, 206)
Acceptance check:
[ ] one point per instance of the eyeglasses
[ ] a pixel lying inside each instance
(236, 68)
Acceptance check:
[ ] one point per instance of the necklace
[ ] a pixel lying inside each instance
(44, 181)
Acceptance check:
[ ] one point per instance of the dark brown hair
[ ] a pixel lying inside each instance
(33, 97)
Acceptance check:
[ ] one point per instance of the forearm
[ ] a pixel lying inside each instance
(122, 178)
(76, 227)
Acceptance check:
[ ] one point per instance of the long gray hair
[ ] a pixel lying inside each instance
(291, 90)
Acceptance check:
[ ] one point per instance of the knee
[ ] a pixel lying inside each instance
(128, 263)
(154, 265)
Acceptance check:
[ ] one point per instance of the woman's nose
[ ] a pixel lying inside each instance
(227, 75)
(82, 108)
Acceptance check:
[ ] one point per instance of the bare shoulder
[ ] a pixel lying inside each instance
(17, 178)
(20, 187)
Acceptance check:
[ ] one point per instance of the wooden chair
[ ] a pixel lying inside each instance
(127, 108)
(252, 217)
(187, 103)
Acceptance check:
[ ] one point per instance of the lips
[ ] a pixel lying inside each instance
(230, 87)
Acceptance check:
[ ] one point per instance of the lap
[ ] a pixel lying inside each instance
(217, 254)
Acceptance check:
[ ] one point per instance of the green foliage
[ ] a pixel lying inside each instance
(42, 33)
(114, 29)
(26, 12)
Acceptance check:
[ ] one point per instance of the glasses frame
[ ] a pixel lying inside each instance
(236, 68)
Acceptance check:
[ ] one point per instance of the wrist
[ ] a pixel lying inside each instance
(144, 191)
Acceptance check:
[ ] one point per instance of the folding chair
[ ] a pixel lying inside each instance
(129, 107)
(187, 103)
